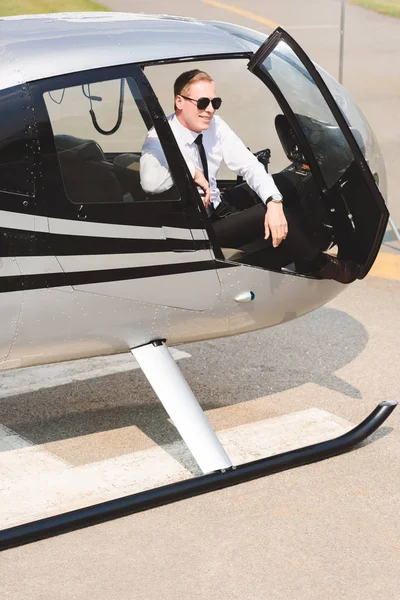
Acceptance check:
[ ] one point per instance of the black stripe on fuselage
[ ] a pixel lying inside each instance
(50, 280)
(18, 242)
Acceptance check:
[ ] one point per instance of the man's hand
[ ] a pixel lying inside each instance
(275, 223)
(202, 182)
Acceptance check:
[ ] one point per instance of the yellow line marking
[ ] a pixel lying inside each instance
(387, 266)
(243, 13)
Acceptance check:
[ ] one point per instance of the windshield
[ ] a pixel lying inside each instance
(318, 123)
(361, 129)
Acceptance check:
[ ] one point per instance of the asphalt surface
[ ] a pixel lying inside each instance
(327, 530)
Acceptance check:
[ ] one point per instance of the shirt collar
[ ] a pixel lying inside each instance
(187, 135)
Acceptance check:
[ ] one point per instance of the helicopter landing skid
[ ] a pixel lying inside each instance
(223, 476)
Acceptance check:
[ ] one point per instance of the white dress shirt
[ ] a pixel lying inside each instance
(220, 144)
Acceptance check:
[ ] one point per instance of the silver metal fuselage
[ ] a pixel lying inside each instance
(73, 320)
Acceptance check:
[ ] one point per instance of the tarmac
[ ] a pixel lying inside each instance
(326, 530)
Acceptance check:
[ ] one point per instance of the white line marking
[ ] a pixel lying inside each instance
(21, 461)
(9, 440)
(31, 379)
(47, 487)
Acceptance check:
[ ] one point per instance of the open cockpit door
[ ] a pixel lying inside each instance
(316, 134)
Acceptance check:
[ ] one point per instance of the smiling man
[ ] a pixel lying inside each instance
(258, 210)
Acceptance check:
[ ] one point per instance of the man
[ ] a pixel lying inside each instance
(260, 211)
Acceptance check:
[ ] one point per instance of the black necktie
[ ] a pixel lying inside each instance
(202, 152)
(199, 141)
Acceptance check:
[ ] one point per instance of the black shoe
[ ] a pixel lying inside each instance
(344, 271)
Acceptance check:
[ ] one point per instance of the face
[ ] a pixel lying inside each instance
(187, 112)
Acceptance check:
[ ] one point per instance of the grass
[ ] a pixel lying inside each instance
(10, 8)
(386, 7)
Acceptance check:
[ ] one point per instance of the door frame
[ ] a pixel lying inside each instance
(280, 35)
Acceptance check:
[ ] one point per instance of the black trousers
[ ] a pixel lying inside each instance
(239, 221)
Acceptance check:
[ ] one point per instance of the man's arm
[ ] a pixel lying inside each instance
(203, 184)
(242, 162)
(155, 176)
(275, 223)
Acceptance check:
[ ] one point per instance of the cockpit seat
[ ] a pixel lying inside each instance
(87, 149)
(87, 175)
(129, 161)
(127, 168)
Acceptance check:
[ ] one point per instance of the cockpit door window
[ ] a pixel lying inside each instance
(322, 137)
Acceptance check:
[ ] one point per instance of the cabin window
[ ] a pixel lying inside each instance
(18, 142)
(248, 107)
(99, 131)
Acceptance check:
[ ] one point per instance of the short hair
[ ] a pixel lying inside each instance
(184, 81)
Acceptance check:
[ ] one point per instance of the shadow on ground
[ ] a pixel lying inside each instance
(220, 372)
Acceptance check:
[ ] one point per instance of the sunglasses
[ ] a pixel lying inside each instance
(202, 103)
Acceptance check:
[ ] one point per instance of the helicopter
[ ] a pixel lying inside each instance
(92, 264)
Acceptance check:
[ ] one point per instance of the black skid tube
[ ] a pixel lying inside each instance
(112, 509)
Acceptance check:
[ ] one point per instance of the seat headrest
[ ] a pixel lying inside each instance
(129, 161)
(81, 148)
